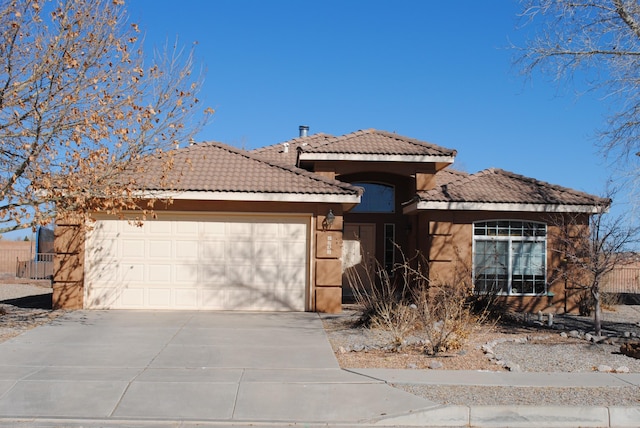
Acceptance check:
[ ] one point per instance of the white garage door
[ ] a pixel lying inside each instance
(224, 263)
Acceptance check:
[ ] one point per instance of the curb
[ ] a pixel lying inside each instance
(519, 417)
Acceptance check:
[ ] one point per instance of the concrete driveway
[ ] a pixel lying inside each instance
(153, 367)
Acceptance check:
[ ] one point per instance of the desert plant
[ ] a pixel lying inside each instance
(446, 310)
(410, 303)
(381, 302)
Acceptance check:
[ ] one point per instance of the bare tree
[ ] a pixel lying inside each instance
(590, 249)
(79, 103)
(599, 41)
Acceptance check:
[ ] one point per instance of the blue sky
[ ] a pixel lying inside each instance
(423, 69)
(437, 71)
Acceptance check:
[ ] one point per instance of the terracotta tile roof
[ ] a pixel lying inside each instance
(374, 142)
(288, 155)
(447, 175)
(216, 167)
(499, 186)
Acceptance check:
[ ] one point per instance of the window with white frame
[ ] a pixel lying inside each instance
(509, 257)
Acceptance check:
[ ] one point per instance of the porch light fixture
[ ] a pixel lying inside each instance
(329, 219)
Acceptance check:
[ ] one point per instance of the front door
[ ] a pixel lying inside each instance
(358, 258)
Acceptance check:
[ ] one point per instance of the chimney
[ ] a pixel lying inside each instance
(304, 130)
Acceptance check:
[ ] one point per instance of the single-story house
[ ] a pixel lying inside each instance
(274, 228)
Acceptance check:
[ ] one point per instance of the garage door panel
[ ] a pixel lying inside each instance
(239, 275)
(292, 276)
(131, 248)
(212, 275)
(188, 228)
(187, 250)
(266, 251)
(213, 229)
(103, 273)
(266, 230)
(102, 298)
(240, 229)
(159, 297)
(186, 298)
(160, 249)
(212, 250)
(291, 251)
(159, 273)
(133, 298)
(128, 273)
(266, 277)
(221, 263)
(293, 231)
(186, 273)
(159, 227)
(240, 250)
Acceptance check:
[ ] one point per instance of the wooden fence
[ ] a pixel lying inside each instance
(623, 279)
(39, 268)
(11, 251)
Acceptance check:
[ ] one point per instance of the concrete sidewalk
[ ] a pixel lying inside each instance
(141, 368)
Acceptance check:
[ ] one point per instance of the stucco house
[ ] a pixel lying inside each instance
(274, 228)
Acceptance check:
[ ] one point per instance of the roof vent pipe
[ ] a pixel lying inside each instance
(304, 130)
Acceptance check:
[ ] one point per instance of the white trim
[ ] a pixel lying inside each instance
(502, 206)
(250, 196)
(374, 157)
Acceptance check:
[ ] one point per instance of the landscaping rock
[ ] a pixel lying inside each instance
(631, 349)
(434, 365)
(604, 368)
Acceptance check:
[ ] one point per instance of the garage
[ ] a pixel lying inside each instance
(204, 262)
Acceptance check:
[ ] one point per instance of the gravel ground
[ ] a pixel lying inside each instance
(530, 347)
(24, 306)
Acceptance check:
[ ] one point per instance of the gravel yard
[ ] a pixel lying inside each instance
(23, 306)
(527, 346)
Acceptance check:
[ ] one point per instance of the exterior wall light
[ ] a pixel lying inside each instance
(328, 220)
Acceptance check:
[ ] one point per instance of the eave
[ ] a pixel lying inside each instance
(251, 196)
(414, 207)
(364, 157)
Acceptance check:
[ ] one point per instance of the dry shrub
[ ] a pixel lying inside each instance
(409, 303)
(382, 302)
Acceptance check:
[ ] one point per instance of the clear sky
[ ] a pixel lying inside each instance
(438, 71)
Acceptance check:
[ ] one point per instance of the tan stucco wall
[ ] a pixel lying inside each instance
(68, 264)
(446, 237)
(325, 286)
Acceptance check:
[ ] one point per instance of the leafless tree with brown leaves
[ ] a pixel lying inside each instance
(601, 40)
(79, 102)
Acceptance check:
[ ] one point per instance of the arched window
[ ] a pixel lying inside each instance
(377, 198)
(509, 257)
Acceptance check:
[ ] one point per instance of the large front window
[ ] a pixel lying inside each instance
(509, 257)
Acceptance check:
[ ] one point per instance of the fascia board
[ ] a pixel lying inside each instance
(374, 157)
(509, 207)
(252, 197)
